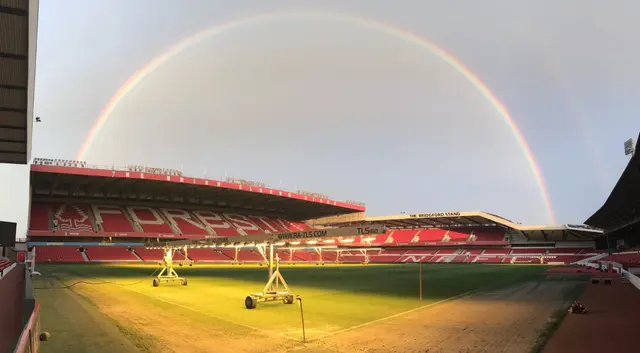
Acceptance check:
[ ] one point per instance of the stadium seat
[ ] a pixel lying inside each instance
(626, 258)
(109, 253)
(208, 255)
(562, 259)
(488, 260)
(456, 236)
(184, 221)
(149, 255)
(4, 263)
(250, 255)
(488, 236)
(496, 251)
(40, 218)
(431, 235)
(402, 236)
(153, 221)
(72, 218)
(58, 254)
(112, 219)
(148, 220)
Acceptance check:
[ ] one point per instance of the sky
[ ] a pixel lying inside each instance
(325, 104)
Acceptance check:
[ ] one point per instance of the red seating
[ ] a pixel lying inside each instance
(488, 236)
(473, 251)
(109, 253)
(517, 251)
(627, 258)
(58, 254)
(40, 218)
(148, 220)
(459, 259)
(488, 260)
(329, 256)
(269, 225)
(208, 255)
(250, 255)
(569, 251)
(402, 236)
(446, 251)
(71, 217)
(149, 255)
(112, 219)
(524, 260)
(565, 259)
(349, 257)
(299, 226)
(427, 251)
(302, 255)
(431, 235)
(179, 256)
(4, 263)
(384, 258)
(184, 221)
(152, 221)
(457, 235)
(496, 251)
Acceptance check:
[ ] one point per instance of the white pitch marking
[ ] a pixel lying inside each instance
(204, 313)
(299, 332)
(404, 312)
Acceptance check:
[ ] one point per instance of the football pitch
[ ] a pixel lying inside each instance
(115, 308)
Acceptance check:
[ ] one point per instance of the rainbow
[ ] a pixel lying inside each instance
(388, 29)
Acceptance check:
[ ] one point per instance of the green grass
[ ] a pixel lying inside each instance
(335, 298)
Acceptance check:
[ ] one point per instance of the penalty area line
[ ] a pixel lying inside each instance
(206, 314)
(461, 295)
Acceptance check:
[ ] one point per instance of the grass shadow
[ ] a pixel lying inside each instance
(569, 295)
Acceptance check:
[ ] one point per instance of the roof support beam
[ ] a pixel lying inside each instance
(12, 56)
(13, 11)
(13, 87)
(11, 127)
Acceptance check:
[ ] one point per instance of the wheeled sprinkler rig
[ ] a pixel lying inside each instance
(168, 274)
(271, 291)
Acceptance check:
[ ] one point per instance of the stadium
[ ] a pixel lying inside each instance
(146, 259)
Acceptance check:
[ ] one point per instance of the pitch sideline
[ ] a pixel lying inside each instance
(455, 297)
(207, 314)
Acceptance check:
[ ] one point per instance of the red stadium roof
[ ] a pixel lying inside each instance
(77, 180)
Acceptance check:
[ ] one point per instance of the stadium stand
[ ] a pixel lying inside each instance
(59, 254)
(86, 226)
(80, 218)
(109, 253)
(616, 304)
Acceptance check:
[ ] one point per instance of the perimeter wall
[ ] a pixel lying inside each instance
(12, 287)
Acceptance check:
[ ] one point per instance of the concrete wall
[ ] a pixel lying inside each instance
(11, 307)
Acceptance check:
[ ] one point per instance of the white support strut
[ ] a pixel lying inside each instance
(272, 290)
(168, 274)
(271, 238)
